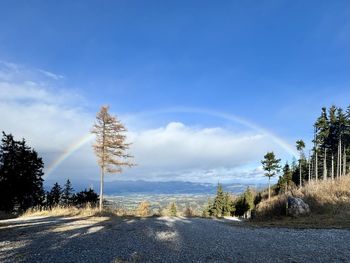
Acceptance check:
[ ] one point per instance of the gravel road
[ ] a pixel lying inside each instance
(164, 240)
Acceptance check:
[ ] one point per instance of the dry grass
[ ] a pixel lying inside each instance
(327, 197)
(275, 207)
(84, 211)
(61, 211)
(70, 211)
(329, 203)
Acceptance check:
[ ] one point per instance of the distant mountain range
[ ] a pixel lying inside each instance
(147, 187)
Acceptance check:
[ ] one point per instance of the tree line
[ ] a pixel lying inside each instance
(331, 144)
(66, 196)
(327, 159)
(224, 204)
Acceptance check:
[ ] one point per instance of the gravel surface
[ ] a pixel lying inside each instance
(164, 240)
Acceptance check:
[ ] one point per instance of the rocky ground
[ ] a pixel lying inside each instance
(92, 239)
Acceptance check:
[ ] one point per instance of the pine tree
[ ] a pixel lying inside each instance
(219, 202)
(110, 146)
(285, 181)
(245, 203)
(341, 131)
(346, 140)
(322, 126)
(228, 207)
(248, 200)
(271, 166)
(333, 138)
(54, 197)
(207, 208)
(300, 145)
(86, 197)
(315, 149)
(67, 194)
(21, 171)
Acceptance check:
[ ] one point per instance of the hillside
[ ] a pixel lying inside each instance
(329, 203)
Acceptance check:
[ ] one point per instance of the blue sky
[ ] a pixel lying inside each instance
(271, 63)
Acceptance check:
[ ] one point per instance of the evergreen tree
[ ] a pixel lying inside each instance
(285, 181)
(271, 166)
(21, 171)
(228, 205)
(219, 202)
(333, 138)
(341, 133)
(300, 145)
(315, 152)
(86, 197)
(67, 194)
(346, 136)
(207, 208)
(54, 197)
(245, 203)
(322, 125)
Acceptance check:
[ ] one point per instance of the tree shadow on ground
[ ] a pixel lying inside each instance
(164, 239)
(88, 239)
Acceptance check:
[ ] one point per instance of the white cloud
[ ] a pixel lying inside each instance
(51, 119)
(180, 152)
(50, 74)
(31, 108)
(180, 146)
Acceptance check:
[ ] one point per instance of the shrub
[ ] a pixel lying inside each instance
(143, 209)
(188, 212)
(172, 209)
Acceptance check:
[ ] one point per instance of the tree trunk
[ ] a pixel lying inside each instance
(285, 192)
(101, 189)
(332, 166)
(340, 159)
(344, 162)
(269, 189)
(300, 184)
(325, 164)
(309, 169)
(316, 165)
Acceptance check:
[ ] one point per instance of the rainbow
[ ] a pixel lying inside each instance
(230, 117)
(226, 116)
(72, 148)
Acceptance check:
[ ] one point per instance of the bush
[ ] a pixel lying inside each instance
(275, 207)
(188, 212)
(172, 209)
(143, 209)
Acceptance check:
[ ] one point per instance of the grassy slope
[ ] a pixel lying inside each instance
(329, 203)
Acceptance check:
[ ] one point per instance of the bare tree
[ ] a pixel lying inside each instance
(110, 146)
